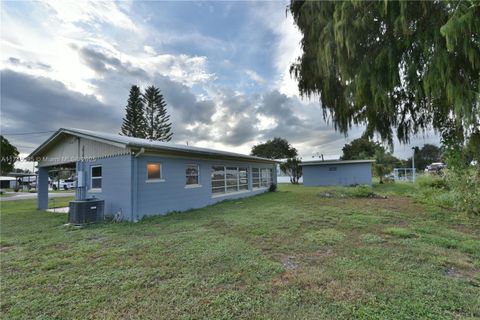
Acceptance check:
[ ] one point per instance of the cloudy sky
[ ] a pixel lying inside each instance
(222, 67)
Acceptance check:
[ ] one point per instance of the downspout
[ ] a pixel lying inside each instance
(134, 168)
(80, 192)
(139, 153)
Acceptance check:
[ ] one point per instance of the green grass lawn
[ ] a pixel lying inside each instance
(5, 195)
(292, 254)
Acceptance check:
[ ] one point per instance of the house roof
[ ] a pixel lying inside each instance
(330, 162)
(130, 142)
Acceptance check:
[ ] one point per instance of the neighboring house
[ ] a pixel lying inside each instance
(7, 182)
(138, 178)
(337, 172)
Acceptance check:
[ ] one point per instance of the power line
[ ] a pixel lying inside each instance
(25, 133)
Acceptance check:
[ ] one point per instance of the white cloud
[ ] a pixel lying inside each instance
(265, 122)
(44, 42)
(287, 47)
(149, 50)
(287, 50)
(254, 76)
(182, 68)
(91, 12)
(64, 26)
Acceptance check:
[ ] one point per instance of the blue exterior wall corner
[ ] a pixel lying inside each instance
(116, 184)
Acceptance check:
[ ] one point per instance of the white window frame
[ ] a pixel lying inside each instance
(260, 178)
(92, 178)
(161, 179)
(238, 178)
(224, 182)
(265, 176)
(193, 185)
(225, 179)
(227, 186)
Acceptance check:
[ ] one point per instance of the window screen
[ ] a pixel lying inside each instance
(191, 173)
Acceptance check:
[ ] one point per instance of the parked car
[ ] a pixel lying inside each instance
(69, 184)
(66, 184)
(435, 167)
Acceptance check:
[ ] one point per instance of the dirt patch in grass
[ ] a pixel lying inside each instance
(4, 249)
(284, 279)
(340, 291)
(290, 264)
(467, 273)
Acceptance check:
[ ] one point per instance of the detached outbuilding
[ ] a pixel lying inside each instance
(137, 177)
(337, 172)
(7, 182)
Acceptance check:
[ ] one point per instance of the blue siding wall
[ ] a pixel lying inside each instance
(155, 198)
(42, 188)
(116, 184)
(345, 174)
(127, 190)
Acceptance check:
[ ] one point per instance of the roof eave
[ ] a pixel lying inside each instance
(193, 153)
(60, 131)
(320, 163)
(35, 152)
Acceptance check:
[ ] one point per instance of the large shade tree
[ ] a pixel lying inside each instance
(361, 148)
(8, 156)
(276, 148)
(394, 66)
(425, 156)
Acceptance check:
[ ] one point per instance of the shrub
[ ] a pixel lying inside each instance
(360, 191)
(431, 181)
(273, 187)
(465, 185)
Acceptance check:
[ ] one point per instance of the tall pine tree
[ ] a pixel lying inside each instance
(134, 123)
(158, 125)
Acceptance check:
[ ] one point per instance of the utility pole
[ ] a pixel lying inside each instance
(413, 165)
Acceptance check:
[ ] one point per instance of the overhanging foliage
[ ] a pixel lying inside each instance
(392, 65)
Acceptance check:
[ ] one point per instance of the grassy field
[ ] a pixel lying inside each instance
(317, 253)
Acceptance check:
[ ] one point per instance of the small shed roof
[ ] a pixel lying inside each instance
(21, 174)
(130, 142)
(5, 178)
(331, 162)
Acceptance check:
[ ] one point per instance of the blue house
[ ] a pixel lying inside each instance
(137, 177)
(337, 172)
